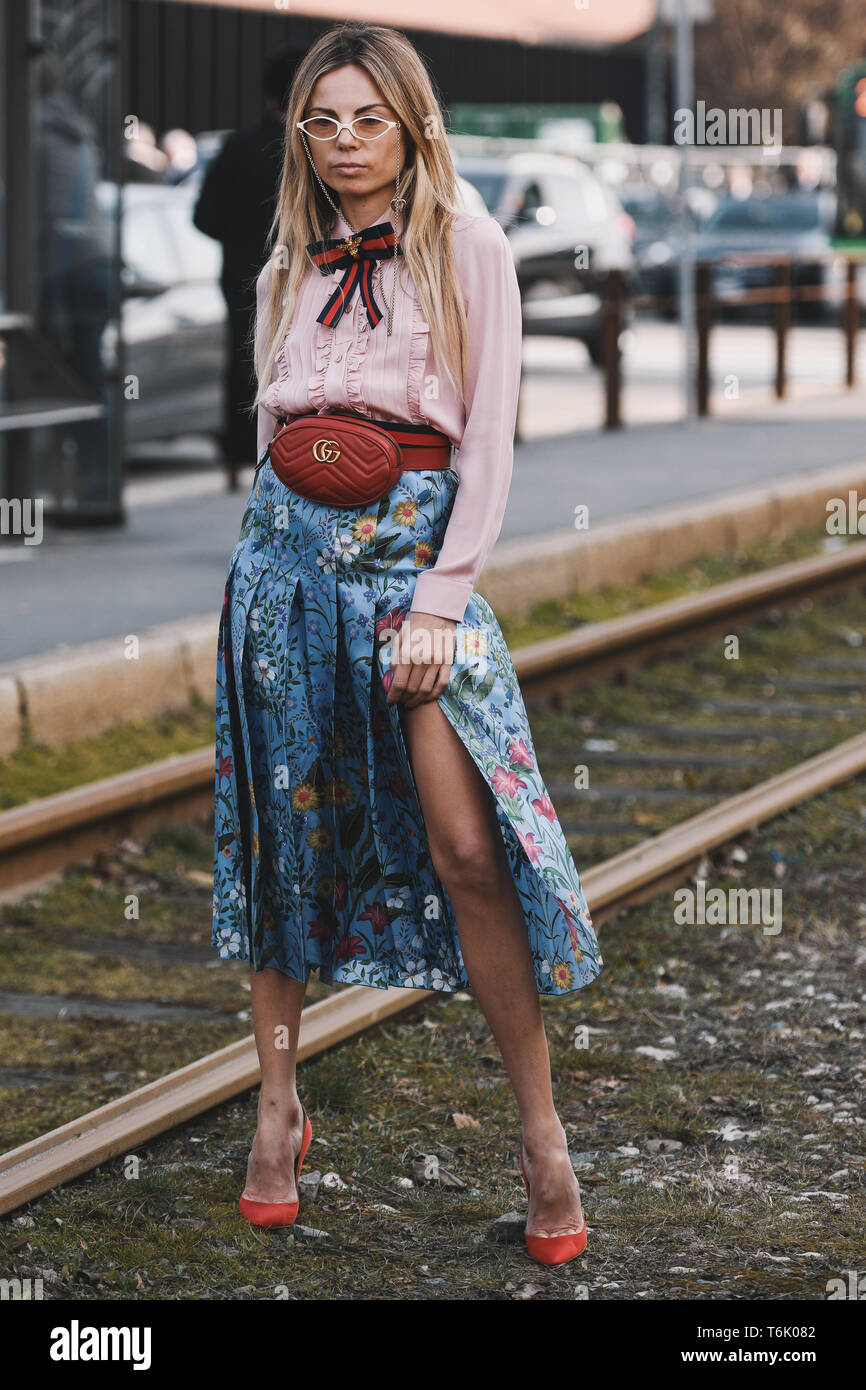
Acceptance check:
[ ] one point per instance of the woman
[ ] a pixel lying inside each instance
(377, 786)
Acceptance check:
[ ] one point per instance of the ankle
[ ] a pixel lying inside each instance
(539, 1136)
(280, 1107)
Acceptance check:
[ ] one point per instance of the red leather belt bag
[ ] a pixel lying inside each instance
(349, 460)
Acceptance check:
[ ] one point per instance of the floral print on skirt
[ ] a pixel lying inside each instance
(321, 857)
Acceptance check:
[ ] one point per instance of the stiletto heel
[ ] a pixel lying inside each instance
(278, 1213)
(553, 1250)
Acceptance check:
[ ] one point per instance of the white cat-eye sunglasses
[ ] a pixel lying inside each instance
(363, 127)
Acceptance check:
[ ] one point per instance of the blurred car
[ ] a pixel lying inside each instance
(657, 239)
(796, 224)
(566, 229)
(470, 197)
(173, 315)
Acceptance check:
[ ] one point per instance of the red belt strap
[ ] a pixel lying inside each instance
(420, 445)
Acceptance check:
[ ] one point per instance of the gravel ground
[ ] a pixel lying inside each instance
(714, 1106)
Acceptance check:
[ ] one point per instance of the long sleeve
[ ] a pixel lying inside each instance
(264, 419)
(485, 457)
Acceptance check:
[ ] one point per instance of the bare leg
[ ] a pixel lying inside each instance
(277, 1002)
(469, 856)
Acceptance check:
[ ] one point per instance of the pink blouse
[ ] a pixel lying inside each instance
(353, 366)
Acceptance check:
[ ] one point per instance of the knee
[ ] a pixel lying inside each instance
(467, 862)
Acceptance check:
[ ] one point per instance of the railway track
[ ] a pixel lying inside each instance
(620, 755)
(42, 837)
(113, 1129)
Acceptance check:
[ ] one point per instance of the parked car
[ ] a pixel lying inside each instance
(797, 224)
(657, 239)
(566, 229)
(173, 317)
(470, 197)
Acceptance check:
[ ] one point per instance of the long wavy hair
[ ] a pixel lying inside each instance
(428, 183)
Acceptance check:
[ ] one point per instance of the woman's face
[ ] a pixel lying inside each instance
(357, 168)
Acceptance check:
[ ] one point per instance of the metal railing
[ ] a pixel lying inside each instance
(781, 295)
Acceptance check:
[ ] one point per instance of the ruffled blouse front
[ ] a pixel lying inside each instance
(353, 366)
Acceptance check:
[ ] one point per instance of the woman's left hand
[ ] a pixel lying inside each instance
(422, 654)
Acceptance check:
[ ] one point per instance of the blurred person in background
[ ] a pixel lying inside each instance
(236, 207)
(143, 160)
(75, 266)
(181, 154)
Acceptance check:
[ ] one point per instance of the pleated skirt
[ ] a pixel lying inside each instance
(321, 857)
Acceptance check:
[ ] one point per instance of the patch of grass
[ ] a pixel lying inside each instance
(35, 771)
(552, 617)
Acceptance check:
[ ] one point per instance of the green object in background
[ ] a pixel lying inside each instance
(524, 122)
(849, 141)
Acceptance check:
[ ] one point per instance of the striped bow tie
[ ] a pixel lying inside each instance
(355, 255)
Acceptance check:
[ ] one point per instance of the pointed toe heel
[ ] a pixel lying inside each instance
(553, 1250)
(268, 1213)
(278, 1213)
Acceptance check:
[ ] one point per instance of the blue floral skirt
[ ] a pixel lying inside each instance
(321, 857)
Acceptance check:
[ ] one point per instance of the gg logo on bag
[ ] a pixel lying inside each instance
(326, 451)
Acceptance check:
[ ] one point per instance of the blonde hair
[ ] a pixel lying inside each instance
(429, 185)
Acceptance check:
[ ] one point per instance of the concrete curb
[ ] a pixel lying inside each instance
(524, 572)
(62, 696)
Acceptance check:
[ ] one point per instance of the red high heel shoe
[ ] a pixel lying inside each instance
(553, 1250)
(278, 1213)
